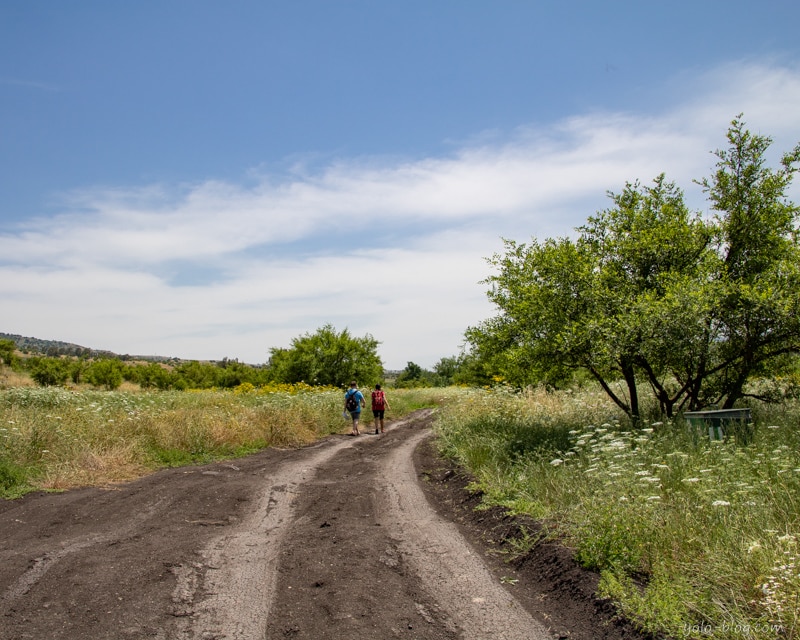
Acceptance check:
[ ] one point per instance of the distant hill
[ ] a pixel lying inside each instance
(37, 346)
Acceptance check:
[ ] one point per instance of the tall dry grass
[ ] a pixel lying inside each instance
(53, 438)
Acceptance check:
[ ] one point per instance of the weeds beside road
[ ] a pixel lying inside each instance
(54, 438)
(694, 538)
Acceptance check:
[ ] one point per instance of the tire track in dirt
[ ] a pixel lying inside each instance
(238, 571)
(366, 557)
(41, 565)
(229, 593)
(447, 564)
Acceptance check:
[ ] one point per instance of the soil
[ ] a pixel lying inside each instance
(369, 537)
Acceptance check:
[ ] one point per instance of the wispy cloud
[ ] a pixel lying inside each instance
(391, 248)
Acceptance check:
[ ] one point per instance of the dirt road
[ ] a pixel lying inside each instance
(369, 537)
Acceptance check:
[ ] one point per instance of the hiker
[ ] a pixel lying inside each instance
(379, 405)
(353, 401)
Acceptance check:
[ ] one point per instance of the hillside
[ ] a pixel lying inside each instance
(38, 346)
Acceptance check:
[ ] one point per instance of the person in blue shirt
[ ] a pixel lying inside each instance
(353, 403)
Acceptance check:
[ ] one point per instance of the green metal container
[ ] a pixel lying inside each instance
(722, 422)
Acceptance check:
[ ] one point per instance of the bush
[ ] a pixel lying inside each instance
(105, 373)
(49, 372)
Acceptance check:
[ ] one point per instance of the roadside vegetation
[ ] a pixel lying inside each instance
(692, 537)
(54, 438)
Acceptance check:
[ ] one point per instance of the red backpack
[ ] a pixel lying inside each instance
(378, 401)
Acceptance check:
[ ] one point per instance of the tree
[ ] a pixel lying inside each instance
(414, 376)
(446, 370)
(196, 375)
(758, 245)
(645, 250)
(7, 355)
(327, 358)
(49, 372)
(153, 375)
(650, 292)
(106, 373)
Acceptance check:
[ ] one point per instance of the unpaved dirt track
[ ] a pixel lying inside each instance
(336, 540)
(447, 564)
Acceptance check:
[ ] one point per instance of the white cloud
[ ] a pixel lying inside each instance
(395, 249)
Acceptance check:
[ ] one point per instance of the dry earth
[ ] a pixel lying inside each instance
(369, 537)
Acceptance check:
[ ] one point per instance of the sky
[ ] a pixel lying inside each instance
(207, 180)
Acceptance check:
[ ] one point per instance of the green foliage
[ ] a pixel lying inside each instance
(327, 358)
(106, 373)
(7, 355)
(462, 369)
(649, 291)
(49, 372)
(197, 375)
(414, 376)
(13, 479)
(446, 370)
(152, 376)
(759, 252)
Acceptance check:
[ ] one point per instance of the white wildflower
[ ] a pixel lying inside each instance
(720, 503)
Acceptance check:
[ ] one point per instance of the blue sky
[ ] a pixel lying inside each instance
(205, 180)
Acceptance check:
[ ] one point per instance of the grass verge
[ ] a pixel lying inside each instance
(692, 538)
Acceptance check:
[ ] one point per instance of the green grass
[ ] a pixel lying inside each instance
(54, 438)
(693, 538)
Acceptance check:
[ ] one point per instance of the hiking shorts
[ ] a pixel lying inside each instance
(378, 413)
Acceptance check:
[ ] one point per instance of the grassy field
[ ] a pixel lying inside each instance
(54, 438)
(693, 538)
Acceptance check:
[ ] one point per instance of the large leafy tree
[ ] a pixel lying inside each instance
(758, 279)
(327, 357)
(583, 304)
(649, 292)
